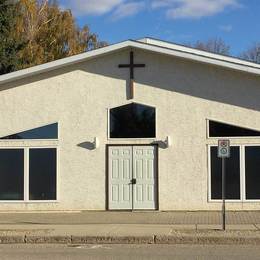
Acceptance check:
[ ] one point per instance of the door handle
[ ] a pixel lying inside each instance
(133, 181)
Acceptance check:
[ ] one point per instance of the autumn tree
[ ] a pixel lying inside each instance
(42, 31)
(9, 46)
(215, 45)
(50, 33)
(252, 53)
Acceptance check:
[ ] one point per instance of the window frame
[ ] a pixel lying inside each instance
(242, 175)
(26, 173)
(228, 137)
(129, 138)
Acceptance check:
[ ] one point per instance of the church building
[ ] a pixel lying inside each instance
(130, 126)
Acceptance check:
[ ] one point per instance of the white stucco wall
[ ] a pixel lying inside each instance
(78, 97)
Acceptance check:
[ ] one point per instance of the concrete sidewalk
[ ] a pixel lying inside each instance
(130, 227)
(141, 217)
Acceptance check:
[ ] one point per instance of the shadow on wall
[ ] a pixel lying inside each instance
(91, 146)
(161, 144)
(87, 145)
(185, 77)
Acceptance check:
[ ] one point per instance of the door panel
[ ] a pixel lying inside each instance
(144, 171)
(120, 175)
(127, 163)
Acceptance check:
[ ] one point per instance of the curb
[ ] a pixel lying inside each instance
(167, 239)
(202, 240)
(47, 239)
(112, 239)
(12, 239)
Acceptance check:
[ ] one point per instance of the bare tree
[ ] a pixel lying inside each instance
(215, 45)
(252, 53)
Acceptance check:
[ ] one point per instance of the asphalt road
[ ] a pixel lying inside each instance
(65, 252)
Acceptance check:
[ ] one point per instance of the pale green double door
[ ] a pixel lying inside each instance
(132, 177)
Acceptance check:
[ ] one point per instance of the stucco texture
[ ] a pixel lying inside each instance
(184, 93)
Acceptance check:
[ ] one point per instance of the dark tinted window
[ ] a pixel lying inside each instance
(217, 129)
(42, 174)
(132, 121)
(252, 171)
(11, 174)
(232, 174)
(44, 132)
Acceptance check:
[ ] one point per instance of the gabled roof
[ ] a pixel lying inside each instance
(148, 44)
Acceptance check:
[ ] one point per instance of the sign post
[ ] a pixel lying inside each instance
(223, 153)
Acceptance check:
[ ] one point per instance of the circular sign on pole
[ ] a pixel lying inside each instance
(223, 148)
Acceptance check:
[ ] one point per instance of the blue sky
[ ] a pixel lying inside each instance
(237, 22)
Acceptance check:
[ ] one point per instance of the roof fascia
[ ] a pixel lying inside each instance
(180, 52)
(20, 74)
(173, 46)
(202, 57)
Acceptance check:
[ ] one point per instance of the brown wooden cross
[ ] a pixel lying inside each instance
(131, 66)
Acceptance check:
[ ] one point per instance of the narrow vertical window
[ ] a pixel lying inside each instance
(11, 174)
(252, 172)
(232, 174)
(42, 174)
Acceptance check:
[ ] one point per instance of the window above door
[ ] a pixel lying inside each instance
(132, 121)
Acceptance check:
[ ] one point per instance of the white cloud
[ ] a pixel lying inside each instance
(162, 3)
(94, 7)
(174, 9)
(128, 9)
(226, 28)
(195, 9)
